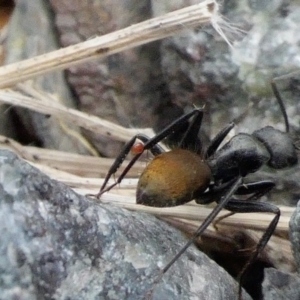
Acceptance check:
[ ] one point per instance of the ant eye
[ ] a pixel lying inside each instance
(137, 148)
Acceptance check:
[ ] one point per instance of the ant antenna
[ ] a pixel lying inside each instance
(281, 104)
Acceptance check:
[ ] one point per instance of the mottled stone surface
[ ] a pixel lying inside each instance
(295, 234)
(280, 286)
(55, 244)
(286, 286)
(31, 33)
(200, 68)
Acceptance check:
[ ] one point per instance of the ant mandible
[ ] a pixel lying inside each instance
(215, 175)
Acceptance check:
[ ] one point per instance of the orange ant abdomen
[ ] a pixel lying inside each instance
(173, 178)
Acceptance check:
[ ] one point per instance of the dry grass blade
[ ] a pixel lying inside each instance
(86, 185)
(73, 164)
(44, 103)
(133, 36)
(195, 212)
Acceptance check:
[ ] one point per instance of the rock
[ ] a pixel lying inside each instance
(31, 32)
(55, 244)
(278, 285)
(295, 234)
(234, 83)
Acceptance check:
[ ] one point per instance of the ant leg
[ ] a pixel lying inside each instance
(155, 150)
(190, 139)
(207, 221)
(214, 192)
(219, 219)
(199, 231)
(240, 206)
(258, 189)
(150, 144)
(281, 104)
(217, 140)
(119, 160)
(174, 126)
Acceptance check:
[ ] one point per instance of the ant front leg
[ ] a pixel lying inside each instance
(258, 189)
(190, 139)
(217, 140)
(155, 150)
(149, 144)
(279, 98)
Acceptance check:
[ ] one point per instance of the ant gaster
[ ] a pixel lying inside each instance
(190, 173)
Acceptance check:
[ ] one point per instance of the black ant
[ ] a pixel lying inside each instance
(191, 173)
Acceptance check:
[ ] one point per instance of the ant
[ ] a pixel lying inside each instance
(214, 174)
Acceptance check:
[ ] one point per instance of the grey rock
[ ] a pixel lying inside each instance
(31, 32)
(278, 285)
(55, 244)
(200, 68)
(295, 235)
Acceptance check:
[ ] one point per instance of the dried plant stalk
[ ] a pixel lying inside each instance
(195, 212)
(72, 163)
(87, 185)
(42, 102)
(132, 36)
